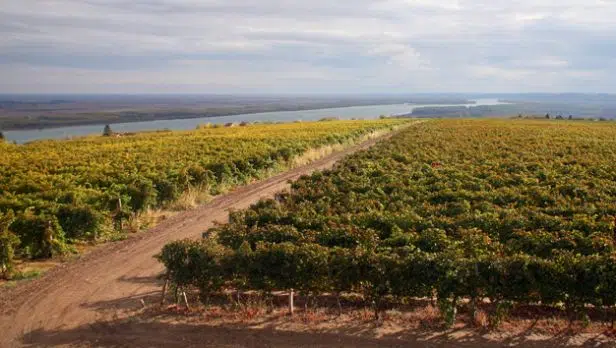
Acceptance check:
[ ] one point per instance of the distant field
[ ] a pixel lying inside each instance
(95, 188)
(516, 212)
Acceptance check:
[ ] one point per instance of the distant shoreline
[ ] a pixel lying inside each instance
(22, 121)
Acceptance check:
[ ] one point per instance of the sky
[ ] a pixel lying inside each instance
(307, 46)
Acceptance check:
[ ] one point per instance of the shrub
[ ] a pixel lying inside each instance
(142, 195)
(79, 221)
(8, 243)
(41, 235)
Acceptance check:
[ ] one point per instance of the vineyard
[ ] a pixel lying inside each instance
(55, 193)
(467, 212)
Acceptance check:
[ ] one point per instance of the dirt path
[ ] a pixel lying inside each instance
(92, 288)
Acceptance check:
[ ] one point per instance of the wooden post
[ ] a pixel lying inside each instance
(119, 211)
(162, 300)
(185, 300)
(291, 308)
(270, 302)
(339, 303)
(376, 304)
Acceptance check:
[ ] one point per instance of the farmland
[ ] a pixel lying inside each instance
(54, 194)
(466, 212)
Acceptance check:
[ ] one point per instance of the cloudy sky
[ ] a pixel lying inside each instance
(307, 46)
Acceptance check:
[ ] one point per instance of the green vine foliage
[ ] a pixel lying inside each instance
(40, 235)
(8, 242)
(70, 190)
(513, 211)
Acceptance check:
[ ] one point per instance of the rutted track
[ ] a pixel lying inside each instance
(92, 288)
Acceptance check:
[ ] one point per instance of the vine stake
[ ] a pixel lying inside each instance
(162, 300)
(291, 308)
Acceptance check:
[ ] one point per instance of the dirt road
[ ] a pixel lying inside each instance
(91, 289)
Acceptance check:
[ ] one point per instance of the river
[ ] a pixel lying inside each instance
(365, 112)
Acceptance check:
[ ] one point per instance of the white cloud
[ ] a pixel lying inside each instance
(318, 45)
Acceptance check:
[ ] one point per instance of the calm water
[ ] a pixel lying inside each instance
(366, 112)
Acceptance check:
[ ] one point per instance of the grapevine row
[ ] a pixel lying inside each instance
(55, 192)
(514, 211)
